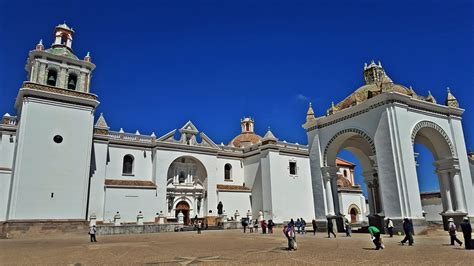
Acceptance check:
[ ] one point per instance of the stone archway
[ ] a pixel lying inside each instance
(362, 146)
(438, 142)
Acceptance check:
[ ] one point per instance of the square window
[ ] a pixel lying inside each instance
(292, 168)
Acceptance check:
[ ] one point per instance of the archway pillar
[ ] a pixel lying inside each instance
(327, 173)
(451, 184)
(368, 178)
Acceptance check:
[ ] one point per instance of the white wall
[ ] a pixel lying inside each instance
(237, 177)
(43, 167)
(129, 202)
(253, 180)
(6, 162)
(235, 201)
(432, 207)
(97, 190)
(346, 199)
(292, 196)
(142, 163)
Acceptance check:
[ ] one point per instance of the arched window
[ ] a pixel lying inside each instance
(247, 127)
(127, 164)
(181, 178)
(52, 77)
(228, 172)
(72, 81)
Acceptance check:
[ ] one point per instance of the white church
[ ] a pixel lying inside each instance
(59, 162)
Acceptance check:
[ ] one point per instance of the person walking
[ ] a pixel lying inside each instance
(467, 233)
(199, 227)
(251, 225)
(255, 225)
(270, 226)
(408, 229)
(452, 232)
(264, 226)
(298, 225)
(390, 227)
(289, 231)
(315, 227)
(92, 232)
(330, 228)
(244, 224)
(303, 226)
(375, 235)
(348, 227)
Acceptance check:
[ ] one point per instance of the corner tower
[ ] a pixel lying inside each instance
(53, 151)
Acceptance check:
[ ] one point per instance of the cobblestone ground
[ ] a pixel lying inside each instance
(229, 247)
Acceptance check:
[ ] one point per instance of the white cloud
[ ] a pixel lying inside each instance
(301, 97)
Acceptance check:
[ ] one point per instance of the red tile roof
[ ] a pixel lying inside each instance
(136, 183)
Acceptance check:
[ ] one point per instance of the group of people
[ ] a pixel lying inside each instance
(253, 225)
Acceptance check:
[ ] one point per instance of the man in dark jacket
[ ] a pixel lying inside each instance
(330, 228)
(408, 228)
(467, 232)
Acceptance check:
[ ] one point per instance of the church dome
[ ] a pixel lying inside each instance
(247, 137)
(377, 82)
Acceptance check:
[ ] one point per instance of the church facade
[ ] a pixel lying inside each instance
(60, 163)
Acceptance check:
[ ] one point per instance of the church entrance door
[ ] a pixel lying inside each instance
(183, 207)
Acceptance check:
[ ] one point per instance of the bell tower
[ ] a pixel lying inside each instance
(247, 125)
(58, 66)
(55, 109)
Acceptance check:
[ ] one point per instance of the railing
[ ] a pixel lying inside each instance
(42, 87)
(130, 137)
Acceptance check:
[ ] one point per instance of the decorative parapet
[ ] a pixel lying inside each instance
(47, 88)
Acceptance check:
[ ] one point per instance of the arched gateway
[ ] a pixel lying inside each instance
(379, 123)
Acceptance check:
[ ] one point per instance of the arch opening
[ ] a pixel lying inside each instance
(436, 171)
(187, 180)
(356, 173)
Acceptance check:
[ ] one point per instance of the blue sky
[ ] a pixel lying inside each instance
(162, 63)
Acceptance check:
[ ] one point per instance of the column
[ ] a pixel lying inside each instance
(445, 190)
(457, 190)
(335, 196)
(368, 179)
(329, 198)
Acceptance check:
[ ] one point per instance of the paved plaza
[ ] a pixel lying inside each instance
(229, 247)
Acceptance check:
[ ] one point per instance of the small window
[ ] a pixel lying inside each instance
(72, 81)
(52, 77)
(58, 139)
(228, 172)
(127, 164)
(345, 173)
(292, 168)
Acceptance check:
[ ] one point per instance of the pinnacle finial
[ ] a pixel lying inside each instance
(41, 42)
(88, 53)
(448, 89)
(310, 104)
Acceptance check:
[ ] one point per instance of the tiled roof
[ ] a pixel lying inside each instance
(137, 183)
(232, 187)
(343, 162)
